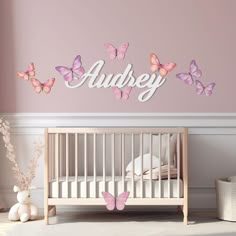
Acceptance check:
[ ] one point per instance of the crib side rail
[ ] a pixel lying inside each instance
(110, 130)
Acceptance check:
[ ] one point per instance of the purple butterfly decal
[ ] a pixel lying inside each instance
(194, 73)
(206, 90)
(124, 94)
(77, 70)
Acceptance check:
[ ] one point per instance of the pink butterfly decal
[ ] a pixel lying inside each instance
(163, 68)
(27, 74)
(194, 73)
(122, 93)
(112, 202)
(46, 87)
(116, 52)
(201, 89)
(77, 70)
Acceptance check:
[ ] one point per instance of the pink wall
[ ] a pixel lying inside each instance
(51, 33)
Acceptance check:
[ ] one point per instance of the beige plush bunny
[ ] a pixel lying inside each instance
(23, 210)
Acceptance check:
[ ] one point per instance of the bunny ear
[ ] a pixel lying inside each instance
(16, 189)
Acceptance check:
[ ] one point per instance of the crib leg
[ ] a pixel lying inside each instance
(46, 213)
(185, 211)
(51, 210)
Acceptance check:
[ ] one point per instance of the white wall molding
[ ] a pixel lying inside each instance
(191, 120)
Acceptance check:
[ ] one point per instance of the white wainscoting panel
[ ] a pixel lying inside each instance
(212, 147)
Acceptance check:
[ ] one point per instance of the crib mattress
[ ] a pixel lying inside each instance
(82, 187)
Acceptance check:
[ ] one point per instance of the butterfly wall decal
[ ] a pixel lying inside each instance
(116, 52)
(112, 202)
(46, 86)
(206, 90)
(193, 74)
(124, 94)
(29, 73)
(163, 68)
(76, 71)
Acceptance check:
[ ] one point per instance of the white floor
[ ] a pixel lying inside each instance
(127, 224)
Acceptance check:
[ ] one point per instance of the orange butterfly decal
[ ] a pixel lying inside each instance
(163, 68)
(46, 87)
(27, 74)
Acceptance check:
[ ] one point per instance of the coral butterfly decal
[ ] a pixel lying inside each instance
(116, 52)
(46, 87)
(27, 74)
(122, 93)
(194, 73)
(163, 68)
(76, 71)
(201, 89)
(112, 202)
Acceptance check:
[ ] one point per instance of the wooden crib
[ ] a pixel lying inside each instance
(81, 163)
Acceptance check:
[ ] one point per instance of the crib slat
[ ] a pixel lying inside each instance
(178, 165)
(60, 155)
(104, 160)
(141, 151)
(57, 164)
(123, 160)
(113, 161)
(76, 164)
(67, 165)
(133, 164)
(168, 153)
(85, 163)
(94, 164)
(160, 159)
(150, 148)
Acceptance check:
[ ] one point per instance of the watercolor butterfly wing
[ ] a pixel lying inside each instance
(155, 63)
(37, 85)
(77, 67)
(48, 85)
(23, 75)
(121, 200)
(110, 201)
(65, 72)
(167, 67)
(31, 69)
(199, 87)
(194, 70)
(26, 75)
(186, 77)
(111, 50)
(117, 92)
(209, 89)
(126, 92)
(122, 50)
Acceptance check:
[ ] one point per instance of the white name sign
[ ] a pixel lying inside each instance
(97, 80)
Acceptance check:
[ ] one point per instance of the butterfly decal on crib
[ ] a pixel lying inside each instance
(39, 87)
(112, 202)
(162, 68)
(193, 74)
(76, 71)
(28, 74)
(124, 94)
(116, 52)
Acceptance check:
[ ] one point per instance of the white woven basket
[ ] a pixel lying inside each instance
(226, 199)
